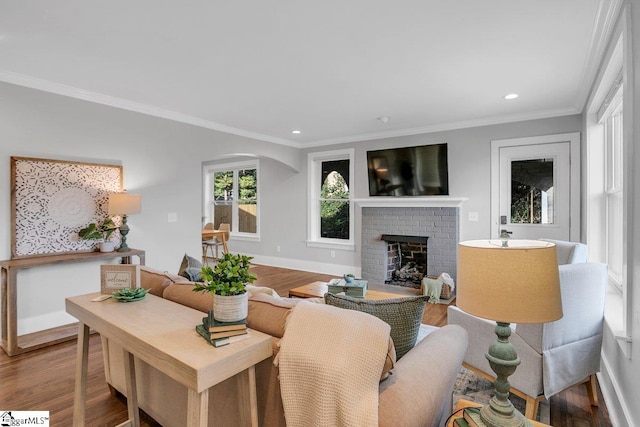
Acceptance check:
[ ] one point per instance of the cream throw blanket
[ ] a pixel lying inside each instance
(330, 362)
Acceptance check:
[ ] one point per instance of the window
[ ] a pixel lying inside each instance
(607, 185)
(612, 128)
(532, 191)
(331, 209)
(231, 196)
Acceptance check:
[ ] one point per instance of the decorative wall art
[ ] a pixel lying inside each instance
(53, 199)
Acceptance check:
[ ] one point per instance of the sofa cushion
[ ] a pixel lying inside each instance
(182, 293)
(404, 315)
(191, 269)
(269, 314)
(156, 281)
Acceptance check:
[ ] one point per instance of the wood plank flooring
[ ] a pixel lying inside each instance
(44, 379)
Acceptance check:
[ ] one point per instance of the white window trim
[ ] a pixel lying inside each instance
(314, 161)
(206, 208)
(618, 316)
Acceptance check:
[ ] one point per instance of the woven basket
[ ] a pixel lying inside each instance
(445, 291)
(230, 308)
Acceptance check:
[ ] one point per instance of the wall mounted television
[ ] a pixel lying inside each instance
(409, 171)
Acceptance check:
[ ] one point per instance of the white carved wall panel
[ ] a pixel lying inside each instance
(53, 199)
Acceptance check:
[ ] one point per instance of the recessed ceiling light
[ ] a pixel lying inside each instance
(511, 96)
(296, 132)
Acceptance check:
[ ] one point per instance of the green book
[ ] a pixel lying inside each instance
(219, 342)
(214, 325)
(472, 417)
(460, 422)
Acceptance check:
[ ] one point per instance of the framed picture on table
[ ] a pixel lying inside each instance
(115, 277)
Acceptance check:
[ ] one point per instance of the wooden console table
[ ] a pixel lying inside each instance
(12, 344)
(168, 342)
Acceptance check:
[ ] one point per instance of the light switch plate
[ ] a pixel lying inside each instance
(473, 216)
(172, 217)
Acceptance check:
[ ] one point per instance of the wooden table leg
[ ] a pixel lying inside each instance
(132, 389)
(197, 408)
(3, 308)
(224, 245)
(247, 397)
(9, 311)
(80, 393)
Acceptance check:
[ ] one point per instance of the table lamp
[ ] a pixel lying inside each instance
(517, 283)
(124, 204)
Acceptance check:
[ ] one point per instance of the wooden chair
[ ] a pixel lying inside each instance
(216, 242)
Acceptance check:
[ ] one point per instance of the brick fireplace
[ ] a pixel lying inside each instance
(406, 259)
(439, 226)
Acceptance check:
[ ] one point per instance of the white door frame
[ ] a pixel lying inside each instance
(574, 204)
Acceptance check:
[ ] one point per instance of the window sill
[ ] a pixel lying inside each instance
(613, 312)
(246, 237)
(331, 245)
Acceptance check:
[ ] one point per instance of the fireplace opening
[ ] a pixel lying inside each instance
(406, 260)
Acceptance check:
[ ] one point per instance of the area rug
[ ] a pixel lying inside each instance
(471, 387)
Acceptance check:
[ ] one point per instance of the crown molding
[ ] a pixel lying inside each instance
(603, 27)
(447, 126)
(85, 95)
(125, 104)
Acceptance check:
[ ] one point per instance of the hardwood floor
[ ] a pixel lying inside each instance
(44, 379)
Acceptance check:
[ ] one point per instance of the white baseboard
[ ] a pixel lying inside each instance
(54, 319)
(616, 406)
(316, 267)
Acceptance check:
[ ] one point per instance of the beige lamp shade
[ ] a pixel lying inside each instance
(124, 204)
(516, 284)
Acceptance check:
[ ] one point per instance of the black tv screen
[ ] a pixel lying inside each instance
(409, 171)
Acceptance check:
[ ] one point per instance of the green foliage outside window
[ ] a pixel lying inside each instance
(223, 185)
(334, 208)
(248, 185)
(526, 204)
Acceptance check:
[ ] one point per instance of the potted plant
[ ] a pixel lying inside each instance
(100, 232)
(226, 282)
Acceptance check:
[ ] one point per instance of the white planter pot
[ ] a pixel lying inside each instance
(107, 246)
(230, 308)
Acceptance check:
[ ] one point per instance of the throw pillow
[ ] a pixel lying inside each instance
(191, 269)
(404, 315)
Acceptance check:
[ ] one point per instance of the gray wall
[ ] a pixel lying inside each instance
(162, 160)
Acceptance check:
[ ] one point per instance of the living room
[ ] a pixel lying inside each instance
(163, 159)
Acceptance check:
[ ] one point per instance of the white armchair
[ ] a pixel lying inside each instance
(554, 356)
(569, 252)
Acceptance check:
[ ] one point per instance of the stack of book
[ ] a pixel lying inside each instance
(470, 418)
(222, 333)
(356, 288)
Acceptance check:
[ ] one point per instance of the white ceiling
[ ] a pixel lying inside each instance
(262, 68)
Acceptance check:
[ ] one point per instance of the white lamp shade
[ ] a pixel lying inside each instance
(124, 204)
(516, 284)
